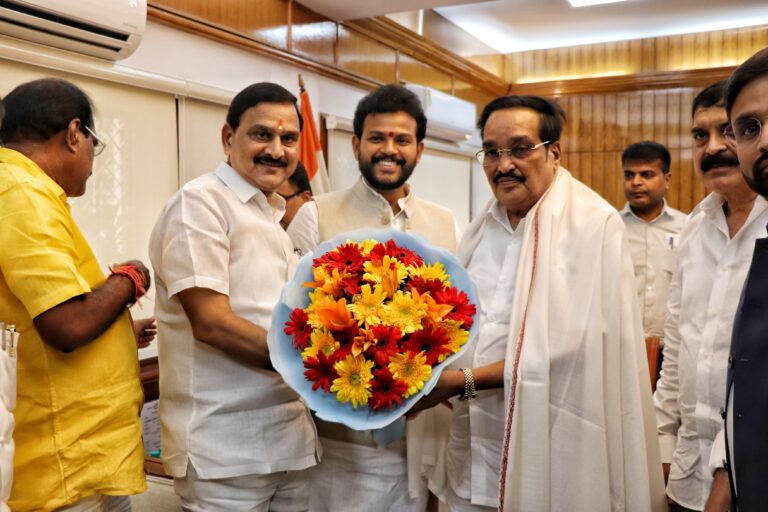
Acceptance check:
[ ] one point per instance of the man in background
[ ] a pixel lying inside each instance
(746, 418)
(356, 472)
(653, 228)
(713, 258)
(296, 191)
(78, 429)
(235, 437)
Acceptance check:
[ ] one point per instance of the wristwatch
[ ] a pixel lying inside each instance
(469, 392)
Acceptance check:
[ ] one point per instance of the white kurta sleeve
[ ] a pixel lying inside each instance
(304, 229)
(666, 397)
(717, 455)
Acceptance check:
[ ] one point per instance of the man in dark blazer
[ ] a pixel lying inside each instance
(746, 415)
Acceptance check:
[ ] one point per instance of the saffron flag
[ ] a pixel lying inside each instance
(310, 151)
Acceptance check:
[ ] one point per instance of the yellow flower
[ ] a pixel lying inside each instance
(329, 283)
(354, 381)
(405, 312)
(413, 370)
(367, 306)
(434, 271)
(366, 246)
(457, 335)
(322, 340)
(389, 274)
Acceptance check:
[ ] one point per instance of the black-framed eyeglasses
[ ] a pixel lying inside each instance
(98, 142)
(287, 197)
(491, 157)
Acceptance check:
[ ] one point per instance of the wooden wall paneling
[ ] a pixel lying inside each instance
(701, 54)
(648, 111)
(611, 130)
(715, 49)
(585, 168)
(685, 198)
(613, 164)
(312, 35)
(635, 131)
(731, 47)
(635, 55)
(416, 72)
(365, 56)
(265, 20)
(648, 48)
(622, 121)
(745, 45)
(759, 38)
(673, 193)
(661, 57)
(493, 63)
(611, 56)
(673, 120)
(688, 56)
(660, 119)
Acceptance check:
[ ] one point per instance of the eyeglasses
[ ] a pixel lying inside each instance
(744, 131)
(491, 157)
(290, 195)
(98, 144)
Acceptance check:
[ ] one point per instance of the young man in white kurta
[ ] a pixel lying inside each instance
(713, 260)
(356, 473)
(234, 435)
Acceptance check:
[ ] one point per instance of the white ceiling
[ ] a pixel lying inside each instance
(355, 9)
(519, 25)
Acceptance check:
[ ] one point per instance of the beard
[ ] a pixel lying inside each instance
(758, 178)
(367, 168)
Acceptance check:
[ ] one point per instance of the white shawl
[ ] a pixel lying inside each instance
(580, 433)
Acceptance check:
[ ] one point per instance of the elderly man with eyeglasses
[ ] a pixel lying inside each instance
(78, 429)
(552, 408)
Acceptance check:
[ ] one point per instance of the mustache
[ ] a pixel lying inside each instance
(511, 174)
(268, 160)
(719, 160)
(398, 160)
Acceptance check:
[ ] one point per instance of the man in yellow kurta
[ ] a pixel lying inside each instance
(78, 430)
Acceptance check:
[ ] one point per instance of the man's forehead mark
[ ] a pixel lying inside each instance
(280, 125)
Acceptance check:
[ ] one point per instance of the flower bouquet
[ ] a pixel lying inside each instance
(367, 324)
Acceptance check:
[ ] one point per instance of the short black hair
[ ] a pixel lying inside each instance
(262, 92)
(300, 180)
(389, 99)
(40, 109)
(647, 152)
(752, 68)
(552, 115)
(711, 96)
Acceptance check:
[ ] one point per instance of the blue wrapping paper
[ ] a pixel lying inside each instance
(287, 360)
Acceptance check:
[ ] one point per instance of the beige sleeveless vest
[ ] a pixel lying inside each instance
(359, 207)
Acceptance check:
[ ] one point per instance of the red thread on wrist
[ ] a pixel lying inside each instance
(133, 273)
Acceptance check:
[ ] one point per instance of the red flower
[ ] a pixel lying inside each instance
(463, 311)
(351, 285)
(298, 328)
(345, 337)
(406, 256)
(320, 371)
(346, 258)
(423, 286)
(386, 390)
(387, 338)
(433, 342)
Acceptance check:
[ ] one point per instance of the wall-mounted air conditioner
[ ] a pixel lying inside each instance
(110, 29)
(448, 117)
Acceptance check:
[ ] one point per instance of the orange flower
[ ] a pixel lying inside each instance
(362, 341)
(435, 312)
(334, 315)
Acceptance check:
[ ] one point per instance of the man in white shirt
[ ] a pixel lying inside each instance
(653, 227)
(357, 473)
(235, 436)
(713, 259)
(554, 408)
